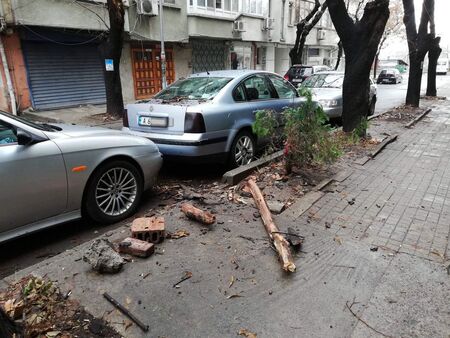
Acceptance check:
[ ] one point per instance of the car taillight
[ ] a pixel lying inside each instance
(286, 77)
(125, 118)
(194, 123)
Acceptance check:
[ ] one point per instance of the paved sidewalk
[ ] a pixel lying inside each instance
(400, 200)
(397, 204)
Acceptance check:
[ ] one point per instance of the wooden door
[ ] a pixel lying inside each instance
(147, 71)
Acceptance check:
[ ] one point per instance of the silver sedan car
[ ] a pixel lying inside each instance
(210, 115)
(327, 89)
(52, 174)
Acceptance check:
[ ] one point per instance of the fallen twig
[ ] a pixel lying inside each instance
(364, 322)
(187, 275)
(127, 313)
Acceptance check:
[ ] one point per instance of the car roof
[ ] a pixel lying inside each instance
(329, 72)
(233, 73)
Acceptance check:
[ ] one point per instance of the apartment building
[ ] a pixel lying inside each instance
(51, 46)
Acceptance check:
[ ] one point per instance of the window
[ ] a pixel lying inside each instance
(313, 52)
(7, 134)
(210, 3)
(227, 5)
(170, 2)
(235, 5)
(201, 3)
(218, 4)
(239, 94)
(283, 88)
(257, 89)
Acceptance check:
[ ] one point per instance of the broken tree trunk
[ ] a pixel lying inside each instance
(280, 243)
(194, 213)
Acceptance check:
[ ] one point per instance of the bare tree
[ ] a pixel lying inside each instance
(360, 41)
(419, 42)
(111, 49)
(304, 27)
(433, 55)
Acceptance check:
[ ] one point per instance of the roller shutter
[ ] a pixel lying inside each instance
(63, 76)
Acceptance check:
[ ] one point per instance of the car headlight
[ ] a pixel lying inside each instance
(329, 103)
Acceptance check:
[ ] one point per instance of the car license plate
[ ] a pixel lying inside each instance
(296, 80)
(151, 121)
(385, 80)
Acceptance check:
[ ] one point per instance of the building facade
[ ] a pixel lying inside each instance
(51, 46)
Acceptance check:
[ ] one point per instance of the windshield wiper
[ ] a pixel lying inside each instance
(51, 127)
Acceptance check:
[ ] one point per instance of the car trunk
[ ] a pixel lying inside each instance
(157, 117)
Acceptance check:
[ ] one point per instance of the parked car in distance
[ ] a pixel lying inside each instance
(390, 76)
(299, 73)
(442, 66)
(327, 89)
(210, 115)
(52, 174)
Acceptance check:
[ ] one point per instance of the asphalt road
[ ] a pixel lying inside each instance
(32, 249)
(393, 95)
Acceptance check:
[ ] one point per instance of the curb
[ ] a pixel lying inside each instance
(383, 145)
(374, 116)
(37, 118)
(234, 176)
(418, 118)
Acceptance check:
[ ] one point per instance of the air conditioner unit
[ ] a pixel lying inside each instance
(321, 34)
(268, 24)
(238, 26)
(147, 7)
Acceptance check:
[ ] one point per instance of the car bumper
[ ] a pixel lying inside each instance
(333, 112)
(186, 145)
(150, 164)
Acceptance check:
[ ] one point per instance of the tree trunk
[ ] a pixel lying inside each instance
(419, 42)
(360, 41)
(339, 56)
(111, 48)
(375, 65)
(433, 56)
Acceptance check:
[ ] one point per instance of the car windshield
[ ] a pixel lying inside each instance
(324, 81)
(194, 88)
(29, 123)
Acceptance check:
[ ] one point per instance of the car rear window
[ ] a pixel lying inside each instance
(300, 71)
(324, 81)
(194, 88)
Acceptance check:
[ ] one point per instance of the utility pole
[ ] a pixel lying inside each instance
(163, 52)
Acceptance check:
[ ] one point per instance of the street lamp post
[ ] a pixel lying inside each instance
(163, 52)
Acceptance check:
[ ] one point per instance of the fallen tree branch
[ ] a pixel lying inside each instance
(199, 215)
(281, 244)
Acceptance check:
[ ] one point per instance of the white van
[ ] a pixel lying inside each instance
(442, 66)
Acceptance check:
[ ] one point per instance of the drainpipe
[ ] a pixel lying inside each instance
(12, 96)
(283, 8)
(163, 51)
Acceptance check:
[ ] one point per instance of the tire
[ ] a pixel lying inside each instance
(114, 184)
(372, 106)
(244, 141)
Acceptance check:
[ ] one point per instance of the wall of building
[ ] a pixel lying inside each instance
(58, 13)
(126, 74)
(17, 71)
(182, 54)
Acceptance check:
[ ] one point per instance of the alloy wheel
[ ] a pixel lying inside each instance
(243, 153)
(116, 191)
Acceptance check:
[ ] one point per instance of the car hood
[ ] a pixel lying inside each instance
(327, 93)
(97, 137)
(73, 130)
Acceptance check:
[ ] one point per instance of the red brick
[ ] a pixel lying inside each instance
(149, 229)
(136, 247)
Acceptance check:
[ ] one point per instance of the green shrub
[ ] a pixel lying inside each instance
(306, 133)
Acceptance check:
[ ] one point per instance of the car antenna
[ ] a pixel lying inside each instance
(206, 69)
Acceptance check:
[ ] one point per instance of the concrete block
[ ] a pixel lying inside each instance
(136, 247)
(149, 229)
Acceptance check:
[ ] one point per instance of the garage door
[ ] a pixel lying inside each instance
(63, 76)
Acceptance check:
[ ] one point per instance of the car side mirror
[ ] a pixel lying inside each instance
(23, 138)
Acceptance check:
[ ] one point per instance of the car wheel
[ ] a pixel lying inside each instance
(242, 149)
(113, 192)
(372, 107)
